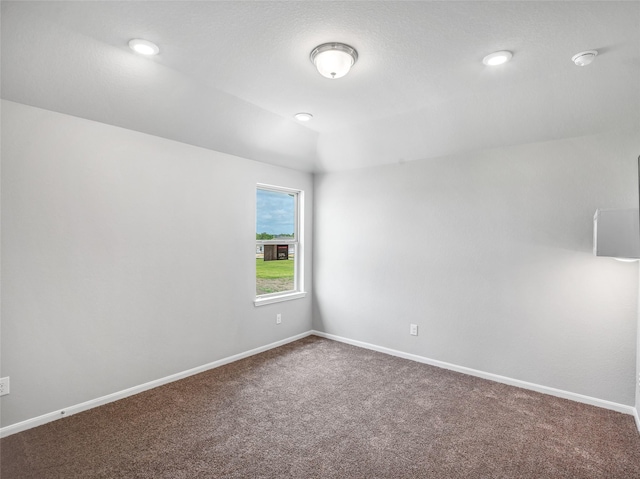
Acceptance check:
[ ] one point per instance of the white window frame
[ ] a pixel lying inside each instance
(298, 241)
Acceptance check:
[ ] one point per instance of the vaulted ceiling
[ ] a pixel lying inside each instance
(231, 75)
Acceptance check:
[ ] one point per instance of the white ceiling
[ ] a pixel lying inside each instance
(231, 75)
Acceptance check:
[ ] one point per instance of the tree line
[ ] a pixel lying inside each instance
(267, 236)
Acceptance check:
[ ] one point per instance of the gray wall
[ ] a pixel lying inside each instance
(490, 253)
(125, 258)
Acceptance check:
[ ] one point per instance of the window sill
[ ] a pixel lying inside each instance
(277, 299)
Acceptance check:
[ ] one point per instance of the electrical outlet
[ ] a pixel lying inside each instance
(278, 318)
(4, 386)
(413, 329)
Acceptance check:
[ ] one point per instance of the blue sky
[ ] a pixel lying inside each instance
(275, 212)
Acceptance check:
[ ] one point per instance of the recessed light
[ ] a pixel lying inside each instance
(333, 60)
(143, 47)
(584, 58)
(303, 116)
(497, 58)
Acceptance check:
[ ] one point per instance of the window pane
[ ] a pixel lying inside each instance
(276, 213)
(274, 276)
(275, 220)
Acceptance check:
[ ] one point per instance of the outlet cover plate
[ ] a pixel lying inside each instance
(4, 386)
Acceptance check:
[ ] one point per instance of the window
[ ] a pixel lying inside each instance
(278, 244)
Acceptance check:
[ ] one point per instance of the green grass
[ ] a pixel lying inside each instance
(282, 269)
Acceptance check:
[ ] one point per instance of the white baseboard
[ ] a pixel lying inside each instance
(59, 414)
(492, 377)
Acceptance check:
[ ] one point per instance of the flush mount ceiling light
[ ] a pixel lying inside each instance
(303, 116)
(333, 60)
(497, 58)
(143, 47)
(584, 58)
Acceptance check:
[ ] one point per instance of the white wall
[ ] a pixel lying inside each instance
(490, 253)
(125, 258)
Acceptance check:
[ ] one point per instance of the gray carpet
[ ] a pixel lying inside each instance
(322, 409)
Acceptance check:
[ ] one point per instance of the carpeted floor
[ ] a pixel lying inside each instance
(322, 409)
